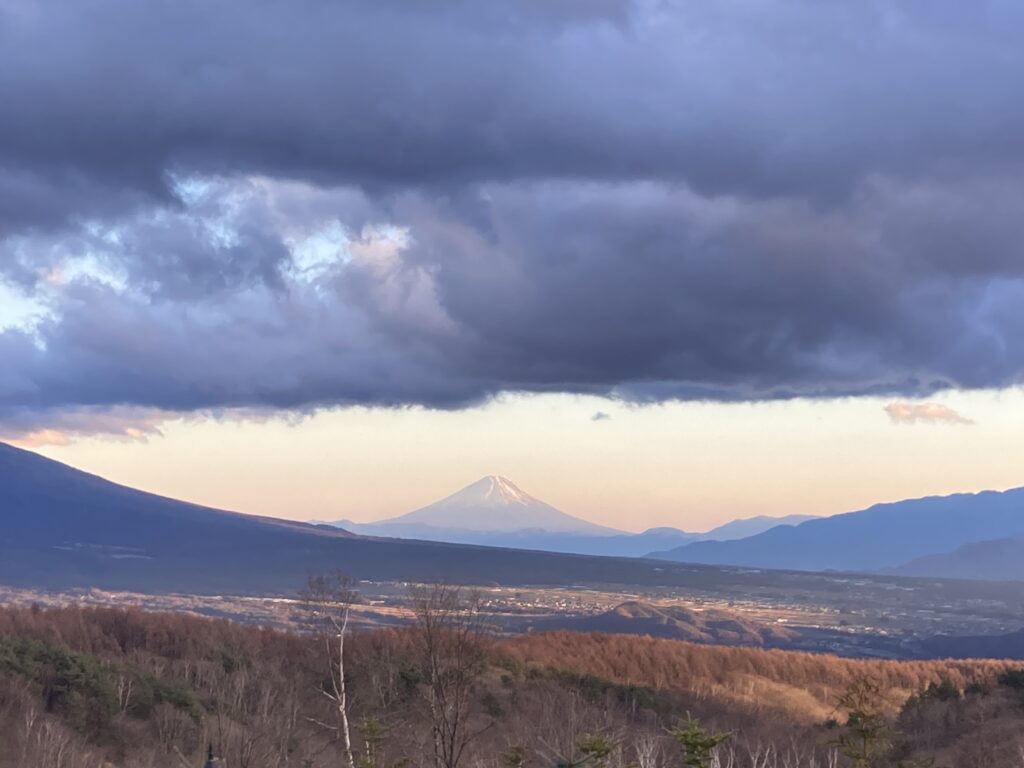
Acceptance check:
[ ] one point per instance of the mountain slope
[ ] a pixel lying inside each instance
(751, 526)
(1001, 559)
(883, 536)
(495, 504)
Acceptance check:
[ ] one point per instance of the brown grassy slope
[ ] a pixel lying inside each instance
(803, 685)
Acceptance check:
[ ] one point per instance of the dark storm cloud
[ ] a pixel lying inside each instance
(640, 291)
(294, 204)
(795, 95)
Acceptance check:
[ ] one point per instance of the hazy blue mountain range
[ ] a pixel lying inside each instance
(885, 536)
(62, 528)
(751, 526)
(495, 512)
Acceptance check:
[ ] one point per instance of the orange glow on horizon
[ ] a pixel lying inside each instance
(687, 465)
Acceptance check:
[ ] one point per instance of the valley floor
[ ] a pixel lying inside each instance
(835, 614)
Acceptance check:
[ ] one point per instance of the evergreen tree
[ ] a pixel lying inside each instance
(698, 743)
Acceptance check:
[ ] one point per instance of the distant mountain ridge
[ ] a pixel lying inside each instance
(63, 528)
(751, 526)
(60, 527)
(997, 560)
(884, 536)
(495, 512)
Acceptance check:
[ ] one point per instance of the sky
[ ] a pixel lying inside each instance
(338, 258)
(687, 465)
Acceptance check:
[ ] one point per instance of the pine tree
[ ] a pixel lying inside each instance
(698, 743)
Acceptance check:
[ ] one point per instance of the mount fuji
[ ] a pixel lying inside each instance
(495, 512)
(495, 504)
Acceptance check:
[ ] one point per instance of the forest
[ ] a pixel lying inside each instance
(99, 687)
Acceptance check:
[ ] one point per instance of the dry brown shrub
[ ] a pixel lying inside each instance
(802, 685)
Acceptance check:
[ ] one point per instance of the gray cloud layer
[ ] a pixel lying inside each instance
(790, 96)
(646, 199)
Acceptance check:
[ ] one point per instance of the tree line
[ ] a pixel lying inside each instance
(91, 688)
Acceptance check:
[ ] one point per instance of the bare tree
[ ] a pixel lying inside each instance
(329, 598)
(452, 639)
(592, 750)
(125, 689)
(648, 750)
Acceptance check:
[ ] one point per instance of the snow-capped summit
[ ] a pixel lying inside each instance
(493, 490)
(495, 503)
